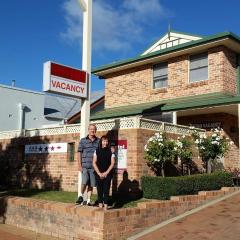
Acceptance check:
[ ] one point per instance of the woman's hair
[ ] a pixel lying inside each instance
(104, 137)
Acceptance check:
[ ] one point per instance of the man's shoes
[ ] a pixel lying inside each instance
(84, 203)
(79, 200)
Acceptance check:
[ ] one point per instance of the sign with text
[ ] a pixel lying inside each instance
(121, 153)
(46, 148)
(64, 80)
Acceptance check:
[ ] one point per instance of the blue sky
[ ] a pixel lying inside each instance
(32, 32)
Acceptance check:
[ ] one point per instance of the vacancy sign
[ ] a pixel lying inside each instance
(46, 148)
(64, 80)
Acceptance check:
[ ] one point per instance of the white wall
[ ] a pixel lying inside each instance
(33, 114)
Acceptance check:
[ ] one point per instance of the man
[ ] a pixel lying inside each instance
(86, 148)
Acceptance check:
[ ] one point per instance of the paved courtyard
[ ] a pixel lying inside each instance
(217, 222)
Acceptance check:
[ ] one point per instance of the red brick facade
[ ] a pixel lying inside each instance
(134, 85)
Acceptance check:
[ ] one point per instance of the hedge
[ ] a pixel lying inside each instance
(164, 188)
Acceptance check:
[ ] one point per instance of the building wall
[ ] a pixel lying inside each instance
(229, 124)
(57, 171)
(10, 98)
(134, 86)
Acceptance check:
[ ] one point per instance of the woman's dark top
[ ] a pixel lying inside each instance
(104, 156)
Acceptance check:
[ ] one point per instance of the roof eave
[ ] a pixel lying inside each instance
(230, 40)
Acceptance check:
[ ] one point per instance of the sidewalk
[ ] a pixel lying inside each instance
(8, 232)
(217, 222)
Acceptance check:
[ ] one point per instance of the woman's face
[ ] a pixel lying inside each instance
(104, 142)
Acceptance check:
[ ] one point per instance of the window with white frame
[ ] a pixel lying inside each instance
(198, 67)
(160, 75)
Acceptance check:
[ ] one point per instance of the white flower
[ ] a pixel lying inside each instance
(202, 147)
(231, 143)
(214, 135)
(183, 136)
(197, 141)
(217, 138)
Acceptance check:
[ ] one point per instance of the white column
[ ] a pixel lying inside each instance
(174, 117)
(21, 116)
(86, 6)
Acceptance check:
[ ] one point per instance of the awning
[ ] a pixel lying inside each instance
(190, 102)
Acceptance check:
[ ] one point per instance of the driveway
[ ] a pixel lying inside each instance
(220, 221)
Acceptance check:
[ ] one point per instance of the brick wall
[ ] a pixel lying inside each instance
(134, 85)
(56, 171)
(68, 221)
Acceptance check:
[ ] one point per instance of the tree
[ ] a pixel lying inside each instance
(158, 151)
(211, 146)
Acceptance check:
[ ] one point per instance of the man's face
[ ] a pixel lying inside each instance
(92, 130)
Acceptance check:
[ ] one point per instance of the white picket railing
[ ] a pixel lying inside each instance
(104, 125)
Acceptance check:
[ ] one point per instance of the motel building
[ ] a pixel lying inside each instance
(182, 80)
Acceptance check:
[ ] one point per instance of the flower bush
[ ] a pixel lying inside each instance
(184, 151)
(158, 151)
(211, 146)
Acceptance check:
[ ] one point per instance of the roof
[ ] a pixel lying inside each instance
(170, 39)
(190, 102)
(62, 107)
(76, 117)
(20, 89)
(102, 70)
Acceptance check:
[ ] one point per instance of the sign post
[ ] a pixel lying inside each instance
(86, 6)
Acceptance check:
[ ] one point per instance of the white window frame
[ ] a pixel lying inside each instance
(189, 61)
(153, 81)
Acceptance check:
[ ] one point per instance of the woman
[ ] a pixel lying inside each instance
(103, 163)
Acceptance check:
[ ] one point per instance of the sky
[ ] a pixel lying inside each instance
(33, 32)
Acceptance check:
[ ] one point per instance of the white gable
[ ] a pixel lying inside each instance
(169, 40)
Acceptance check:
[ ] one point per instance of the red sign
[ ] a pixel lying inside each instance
(64, 80)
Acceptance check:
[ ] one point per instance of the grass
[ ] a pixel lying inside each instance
(66, 197)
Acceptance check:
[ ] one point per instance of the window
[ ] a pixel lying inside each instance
(160, 75)
(198, 67)
(71, 151)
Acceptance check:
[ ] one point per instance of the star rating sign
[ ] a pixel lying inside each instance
(52, 148)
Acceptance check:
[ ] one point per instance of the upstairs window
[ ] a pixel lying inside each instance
(198, 67)
(160, 75)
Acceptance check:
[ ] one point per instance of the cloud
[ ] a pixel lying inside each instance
(115, 27)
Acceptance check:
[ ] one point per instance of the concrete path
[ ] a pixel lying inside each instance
(220, 221)
(8, 232)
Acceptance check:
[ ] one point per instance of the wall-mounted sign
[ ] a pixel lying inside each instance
(207, 125)
(121, 155)
(46, 148)
(64, 80)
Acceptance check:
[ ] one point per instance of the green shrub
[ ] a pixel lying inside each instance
(164, 188)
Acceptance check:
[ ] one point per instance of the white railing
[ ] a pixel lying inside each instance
(104, 125)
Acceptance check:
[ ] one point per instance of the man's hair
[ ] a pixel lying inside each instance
(91, 124)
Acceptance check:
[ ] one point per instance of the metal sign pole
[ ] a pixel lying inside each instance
(86, 6)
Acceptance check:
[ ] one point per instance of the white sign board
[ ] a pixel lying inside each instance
(122, 155)
(46, 148)
(64, 80)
